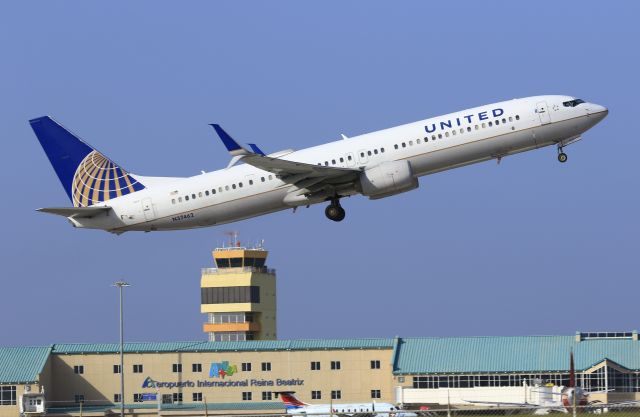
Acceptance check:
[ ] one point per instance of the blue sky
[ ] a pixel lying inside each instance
(529, 246)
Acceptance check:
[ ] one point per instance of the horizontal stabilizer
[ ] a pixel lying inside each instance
(75, 212)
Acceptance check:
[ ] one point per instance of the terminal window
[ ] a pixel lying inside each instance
(177, 397)
(246, 366)
(137, 368)
(137, 397)
(8, 395)
(316, 395)
(116, 369)
(78, 369)
(196, 367)
(266, 366)
(177, 367)
(116, 398)
(375, 364)
(336, 395)
(246, 396)
(197, 396)
(335, 365)
(315, 366)
(375, 393)
(267, 395)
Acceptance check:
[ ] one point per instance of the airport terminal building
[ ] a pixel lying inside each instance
(243, 375)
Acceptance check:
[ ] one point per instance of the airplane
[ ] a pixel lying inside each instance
(570, 396)
(295, 406)
(376, 165)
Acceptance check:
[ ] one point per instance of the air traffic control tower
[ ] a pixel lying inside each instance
(239, 295)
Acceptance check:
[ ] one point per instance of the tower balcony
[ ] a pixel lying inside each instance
(231, 327)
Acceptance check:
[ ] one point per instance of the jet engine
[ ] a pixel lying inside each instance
(387, 179)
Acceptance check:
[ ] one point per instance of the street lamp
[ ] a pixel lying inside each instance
(121, 285)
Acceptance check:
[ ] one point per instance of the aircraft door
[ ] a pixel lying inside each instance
(362, 155)
(543, 112)
(147, 209)
(351, 161)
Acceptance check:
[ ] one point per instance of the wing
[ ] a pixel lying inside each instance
(502, 403)
(307, 178)
(75, 212)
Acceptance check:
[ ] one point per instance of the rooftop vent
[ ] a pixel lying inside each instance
(633, 335)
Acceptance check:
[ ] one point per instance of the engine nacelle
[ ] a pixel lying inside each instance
(387, 179)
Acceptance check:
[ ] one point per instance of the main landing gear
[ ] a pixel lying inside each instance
(334, 211)
(562, 157)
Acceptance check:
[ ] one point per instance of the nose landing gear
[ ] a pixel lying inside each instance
(334, 211)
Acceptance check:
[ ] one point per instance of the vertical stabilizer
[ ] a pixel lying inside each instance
(88, 177)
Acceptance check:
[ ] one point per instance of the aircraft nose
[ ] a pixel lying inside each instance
(597, 112)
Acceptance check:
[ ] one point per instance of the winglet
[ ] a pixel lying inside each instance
(232, 146)
(255, 149)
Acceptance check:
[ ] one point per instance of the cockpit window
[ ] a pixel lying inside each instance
(573, 103)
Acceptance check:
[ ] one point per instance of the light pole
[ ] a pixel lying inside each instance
(121, 285)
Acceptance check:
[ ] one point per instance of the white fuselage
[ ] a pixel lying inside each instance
(431, 145)
(368, 409)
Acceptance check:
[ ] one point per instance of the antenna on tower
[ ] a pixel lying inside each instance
(233, 241)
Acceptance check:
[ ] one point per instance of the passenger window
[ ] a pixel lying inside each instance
(200, 194)
(333, 162)
(453, 132)
(186, 198)
(510, 119)
(213, 191)
(220, 189)
(251, 181)
(504, 121)
(404, 145)
(476, 127)
(439, 135)
(461, 130)
(349, 157)
(417, 141)
(497, 122)
(341, 160)
(369, 153)
(517, 117)
(362, 154)
(233, 186)
(240, 184)
(375, 151)
(193, 196)
(395, 146)
(326, 163)
(469, 128)
(381, 150)
(179, 199)
(410, 143)
(484, 125)
(433, 137)
(270, 177)
(206, 192)
(446, 134)
(173, 201)
(490, 124)
(262, 178)
(226, 187)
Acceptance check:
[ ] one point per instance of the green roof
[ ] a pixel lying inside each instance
(251, 345)
(22, 364)
(509, 354)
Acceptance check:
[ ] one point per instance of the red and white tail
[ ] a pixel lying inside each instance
(289, 399)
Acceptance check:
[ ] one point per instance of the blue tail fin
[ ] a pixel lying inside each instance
(87, 176)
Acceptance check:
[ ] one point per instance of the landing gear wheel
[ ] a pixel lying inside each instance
(562, 157)
(335, 212)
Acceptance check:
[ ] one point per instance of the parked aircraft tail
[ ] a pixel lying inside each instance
(289, 399)
(88, 177)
